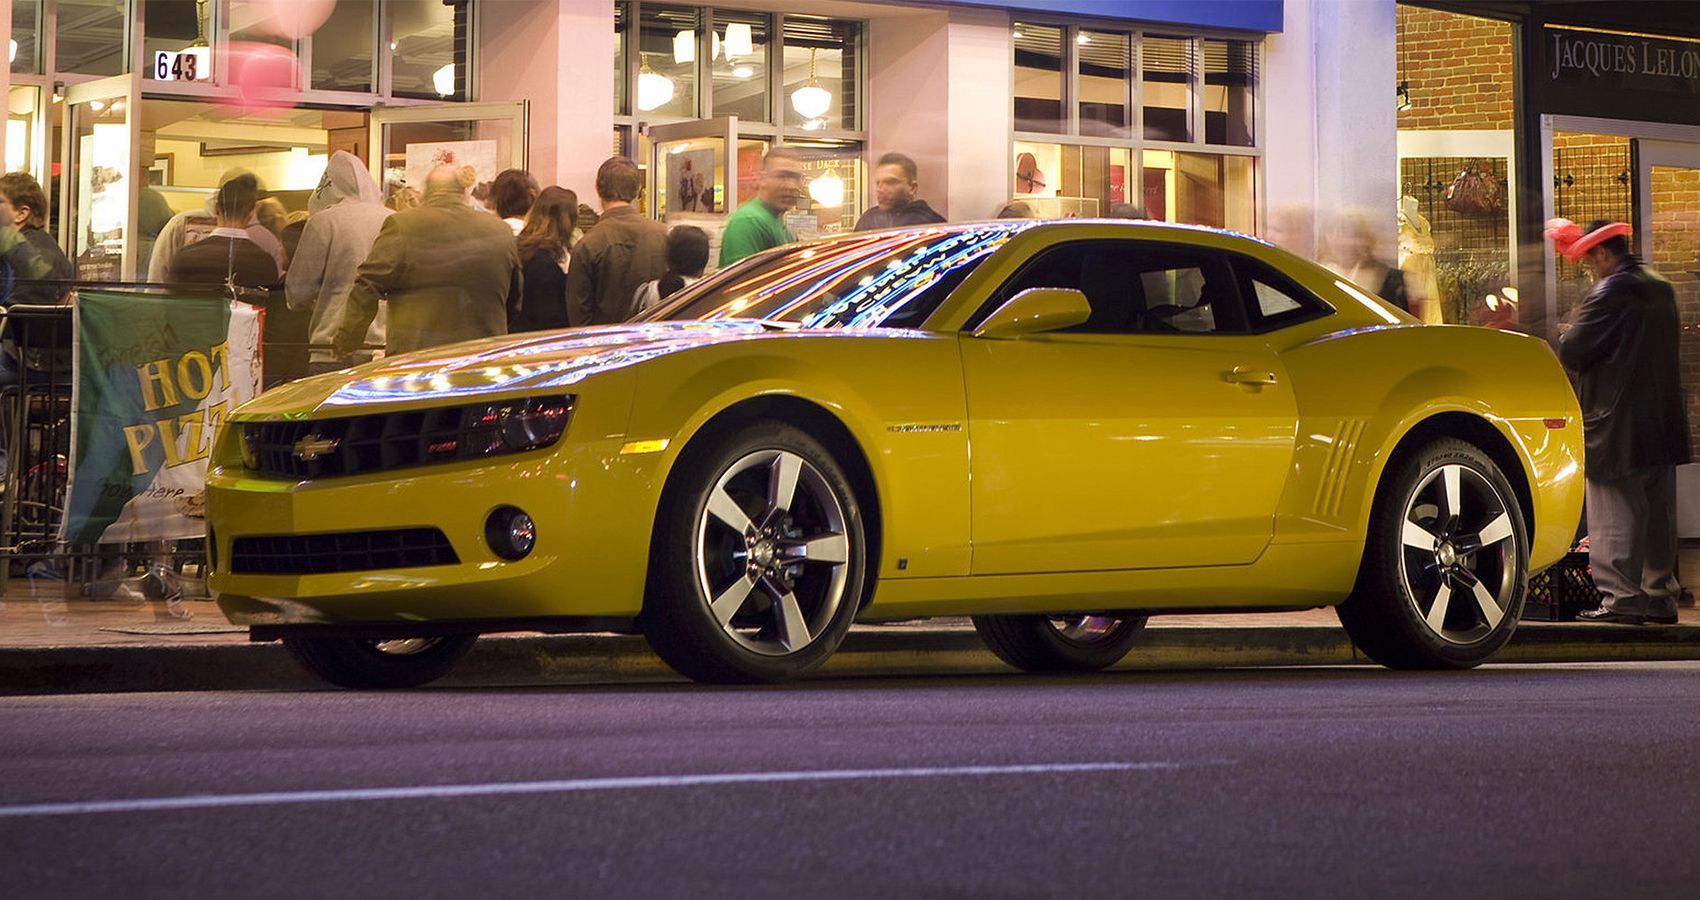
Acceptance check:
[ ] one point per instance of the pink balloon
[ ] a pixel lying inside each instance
(292, 19)
(264, 75)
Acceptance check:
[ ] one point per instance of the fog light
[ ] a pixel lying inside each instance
(510, 533)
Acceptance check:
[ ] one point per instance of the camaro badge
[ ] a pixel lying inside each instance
(312, 447)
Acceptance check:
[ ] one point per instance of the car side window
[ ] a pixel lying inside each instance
(1136, 287)
(1275, 301)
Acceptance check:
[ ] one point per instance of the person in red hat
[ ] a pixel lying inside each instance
(1623, 348)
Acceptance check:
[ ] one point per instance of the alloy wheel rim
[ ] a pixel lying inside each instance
(1459, 554)
(772, 553)
(1086, 629)
(405, 646)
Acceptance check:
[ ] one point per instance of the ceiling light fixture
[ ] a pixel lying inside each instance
(742, 72)
(828, 189)
(653, 88)
(684, 47)
(444, 80)
(740, 41)
(811, 101)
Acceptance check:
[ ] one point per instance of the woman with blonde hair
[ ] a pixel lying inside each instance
(545, 242)
(1349, 250)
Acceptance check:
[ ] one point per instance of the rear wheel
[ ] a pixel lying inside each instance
(1040, 643)
(1445, 565)
(365, 663)
(759, 558)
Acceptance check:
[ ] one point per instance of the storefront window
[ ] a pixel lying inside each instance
(667, 61)
(173, 27)
(621, 106)
(92, 36)
(26, 31)
(740, 46)
(1230, 79)
(1038, 78)
(821, 73)
(1066, 181)
(1105, 58)
(1167, 82)
(429, 56)
(832, 199)
(343, 58)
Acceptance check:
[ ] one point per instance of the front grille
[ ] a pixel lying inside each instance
(354, 551)
(382, 441)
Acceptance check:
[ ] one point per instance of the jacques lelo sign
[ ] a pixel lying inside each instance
(1620, 76)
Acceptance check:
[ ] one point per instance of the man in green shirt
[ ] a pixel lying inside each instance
(756, 225)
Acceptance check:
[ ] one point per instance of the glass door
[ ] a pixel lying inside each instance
(408, 142)
(688, 172)
(100, 217)
(1668, 176)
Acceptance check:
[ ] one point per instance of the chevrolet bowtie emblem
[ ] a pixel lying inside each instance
(313, 446)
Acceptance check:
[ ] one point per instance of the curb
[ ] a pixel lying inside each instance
(866, 652)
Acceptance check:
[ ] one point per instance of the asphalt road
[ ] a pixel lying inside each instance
(1505, 782)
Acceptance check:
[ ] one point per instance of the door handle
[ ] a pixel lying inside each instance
(1248, 376)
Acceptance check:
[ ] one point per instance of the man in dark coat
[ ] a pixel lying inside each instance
(1623, 348)
(449, 272)
(623, 250)
(896, 180)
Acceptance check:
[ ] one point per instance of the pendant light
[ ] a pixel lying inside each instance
(828, 189)
(811, 101)
(653, 88)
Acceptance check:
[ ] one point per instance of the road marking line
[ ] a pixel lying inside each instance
(634, 782)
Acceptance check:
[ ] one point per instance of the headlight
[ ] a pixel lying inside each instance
(492, 428)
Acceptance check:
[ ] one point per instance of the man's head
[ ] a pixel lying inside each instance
(26, 203)
(236, 201)
(1604, 256)
(445, 180)
(513, 192)
(617, 182)
(781, 179)
(895, 181)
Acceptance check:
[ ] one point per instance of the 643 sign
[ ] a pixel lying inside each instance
(193, 64)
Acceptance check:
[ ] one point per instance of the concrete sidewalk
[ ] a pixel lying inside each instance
(82, 646)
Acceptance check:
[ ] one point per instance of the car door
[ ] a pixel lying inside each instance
(1159, 433)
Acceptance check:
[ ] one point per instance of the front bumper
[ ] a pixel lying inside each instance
(589, 560)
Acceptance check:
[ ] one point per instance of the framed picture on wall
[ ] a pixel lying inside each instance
(163, 170)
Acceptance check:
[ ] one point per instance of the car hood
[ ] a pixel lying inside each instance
(502, 366)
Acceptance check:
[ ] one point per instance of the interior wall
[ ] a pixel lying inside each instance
(980, 113)
(908, 96)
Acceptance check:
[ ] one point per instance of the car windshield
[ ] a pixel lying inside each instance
(882, 279)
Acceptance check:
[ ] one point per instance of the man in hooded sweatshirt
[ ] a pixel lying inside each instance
(345, 214)
(186, 228)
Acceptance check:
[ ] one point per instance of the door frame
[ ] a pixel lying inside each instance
(720, 128)
(127, 87)
(1650, 153)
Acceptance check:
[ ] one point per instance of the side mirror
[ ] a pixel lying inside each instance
(1036, 310)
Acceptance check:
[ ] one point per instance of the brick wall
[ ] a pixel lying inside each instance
(1676, 254)
(1458, 69)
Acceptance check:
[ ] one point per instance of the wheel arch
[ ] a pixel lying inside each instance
(820, 423)
(1478, 432)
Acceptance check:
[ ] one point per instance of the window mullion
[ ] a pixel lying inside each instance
(1071, 79)
(705, 63)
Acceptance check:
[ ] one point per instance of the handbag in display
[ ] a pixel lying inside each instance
(1475, 192)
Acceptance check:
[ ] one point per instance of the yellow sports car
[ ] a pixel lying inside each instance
(1057, 428)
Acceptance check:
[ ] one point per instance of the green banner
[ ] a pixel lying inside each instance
(155, 377)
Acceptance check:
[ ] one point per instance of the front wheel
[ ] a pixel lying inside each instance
(1040, 643)
(373, 664)
(759, 558)
(1445, 565)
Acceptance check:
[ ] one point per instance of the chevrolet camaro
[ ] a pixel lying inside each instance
(1059, 429)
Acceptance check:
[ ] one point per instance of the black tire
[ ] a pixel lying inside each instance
(754, 644)
(1400, 585)
(382, 665)
(1039, 643)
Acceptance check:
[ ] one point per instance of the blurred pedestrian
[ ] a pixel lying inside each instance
(511, 196)
(759, 224)
(186, 228)
(1127, 211)
(1624, 347)
(448, 271)
(229, 255)
(545, 245)
(1351, 253)
(345, 214)
(25, 209)
(687, 256)
(1015, 209)
(624, 250)
(895, 184)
